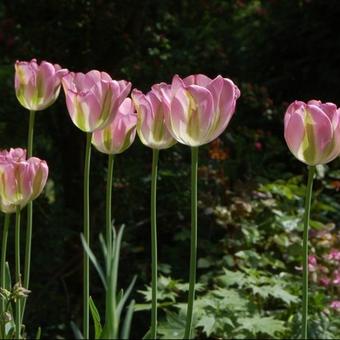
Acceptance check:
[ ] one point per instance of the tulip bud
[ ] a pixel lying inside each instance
(21, 181)
(37, 86)
(312, 131)
(120, 134)
(199, 108)
(151, 127)
(93, 98)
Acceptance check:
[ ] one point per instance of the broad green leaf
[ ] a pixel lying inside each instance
(230, 299)
(230, 278)
(208, 323)
(261, 325)
(173, 327)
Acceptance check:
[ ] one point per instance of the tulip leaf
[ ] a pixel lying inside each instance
(76, 331)
(125, 297)
(128, 320)
(96, 319)
(93, 260)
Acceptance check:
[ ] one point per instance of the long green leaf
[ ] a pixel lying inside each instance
(96, 319)
(94, 261)
(127, 321)
(76, 331)
(147, 335)
(125, 297)
(103, 245)
(8, 279)
(38, 334)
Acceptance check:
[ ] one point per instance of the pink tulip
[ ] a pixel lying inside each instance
(21, 180)
(120, 134)
(312, 131)
(93, 98)
(16, 154)
(37, 86)
(151, 127)
(198, 109)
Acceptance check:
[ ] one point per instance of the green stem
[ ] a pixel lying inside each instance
(29, 214)
(109, 211)
(155, 153)
(86, 277)
(110, 306)
(3, 258)
(17, 272)
(308, 199)
(193, 246)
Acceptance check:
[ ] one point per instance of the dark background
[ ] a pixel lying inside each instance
(275, 51)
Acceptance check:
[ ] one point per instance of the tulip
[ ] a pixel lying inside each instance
(16, 154)
(92, 101)
(21, 181)
(120, 134)
(93, 98)
(114, 139)
(198, 109)
(151, 127)
(312, 131)
(153, 133)
(37, 86)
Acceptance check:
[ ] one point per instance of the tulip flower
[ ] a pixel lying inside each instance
(153, 133)
(93, 98)
(312, 131)
(21, 180)
(151, 127)
(37, 86)
(120, 134)
(112, 140)
(198, 109)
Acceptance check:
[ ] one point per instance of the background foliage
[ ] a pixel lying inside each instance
(250, 187)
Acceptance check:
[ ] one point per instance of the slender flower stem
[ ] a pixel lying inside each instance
(29, 215)
(86, 235)
(110, 304)
(3, 257)
(193, 246)
(109, 211)
(308, 199)
(155, 153)
(30, 134)
(17, 273)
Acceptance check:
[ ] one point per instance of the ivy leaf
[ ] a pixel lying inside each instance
(264, 325)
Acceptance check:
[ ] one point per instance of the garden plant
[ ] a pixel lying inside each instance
(268, 265)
